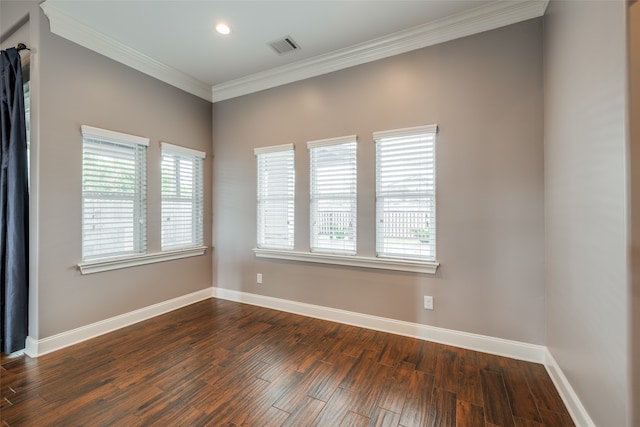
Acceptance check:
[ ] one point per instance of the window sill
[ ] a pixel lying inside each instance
(107, 264)
(425, 267)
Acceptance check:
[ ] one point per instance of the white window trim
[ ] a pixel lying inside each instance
(272, 149)
(348, 139)
(424, 267)
(90, 131)
(107, 264)
(111, 136)
(182, 150)
(275, 149)
(397, 133)
(332, 141)
(178, 149)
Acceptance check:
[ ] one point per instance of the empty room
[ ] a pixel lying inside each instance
(320, 213)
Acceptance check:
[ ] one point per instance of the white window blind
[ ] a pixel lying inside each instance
(276, 191)
(113, 193)
(182, 197)
(405, 193)
(333, 180)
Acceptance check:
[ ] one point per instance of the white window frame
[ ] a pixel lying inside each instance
(406, 193)
(102, 140)
(393, 264)
(100, 264)
(277, 195)
(193, 176)
(333, 195)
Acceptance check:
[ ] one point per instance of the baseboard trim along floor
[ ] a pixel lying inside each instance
(498, 346)
(36, 348)
(486, 344)
(482, 343)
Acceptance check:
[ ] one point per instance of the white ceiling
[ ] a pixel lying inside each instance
(175, 40)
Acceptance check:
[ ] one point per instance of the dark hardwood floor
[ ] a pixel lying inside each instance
(219, 363)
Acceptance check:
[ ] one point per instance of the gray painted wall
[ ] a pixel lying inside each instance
(586, 203)
(634, 170)
(13, 14)
(485, 94)
(75, 87)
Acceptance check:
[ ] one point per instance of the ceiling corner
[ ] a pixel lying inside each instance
(72, 30)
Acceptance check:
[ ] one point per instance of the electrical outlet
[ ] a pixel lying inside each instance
(428, 302)
(259, 278)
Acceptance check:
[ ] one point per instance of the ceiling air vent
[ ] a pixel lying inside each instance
(284, 45)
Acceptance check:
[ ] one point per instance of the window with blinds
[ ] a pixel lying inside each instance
(333, 194)
(276, 191)
(113, 194)
(182, 197)
(405, 193)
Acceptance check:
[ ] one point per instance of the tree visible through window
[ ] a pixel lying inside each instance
(182, 197)
(113, 194)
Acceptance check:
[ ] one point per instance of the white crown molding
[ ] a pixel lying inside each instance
(35, 347)
(484, 18)
(494, 15)
(70, 29)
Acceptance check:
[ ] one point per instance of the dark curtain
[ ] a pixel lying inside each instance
(14, 206)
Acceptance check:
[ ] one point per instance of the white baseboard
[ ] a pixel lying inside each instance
(483, 343)
(35, 348)
(578, 413)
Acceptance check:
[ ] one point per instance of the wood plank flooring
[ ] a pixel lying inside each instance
(220, 363)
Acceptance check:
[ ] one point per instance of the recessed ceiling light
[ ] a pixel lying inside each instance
(223, 29)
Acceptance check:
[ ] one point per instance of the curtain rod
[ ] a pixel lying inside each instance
(22, 46)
